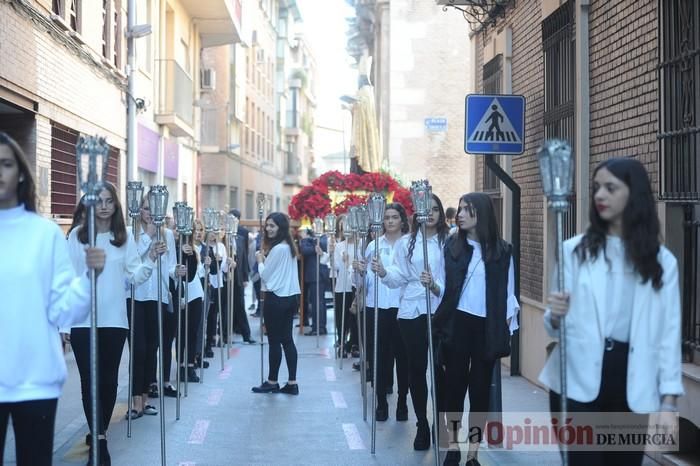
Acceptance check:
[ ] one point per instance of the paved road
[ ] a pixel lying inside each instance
(223, 423)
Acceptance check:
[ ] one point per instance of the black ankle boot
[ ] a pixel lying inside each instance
(104, 458)
(422, 440)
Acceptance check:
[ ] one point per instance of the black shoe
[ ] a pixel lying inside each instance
(170, 391)
(290, 389)
(356, 366)
(191, 375)
(251, 307)
(88, 439)
(250, 341)
(382, 413)
(472, 462)
(254, 314)
(208, 353)
(324, 331)
(153, 391)
(198, 363)
(452, 458)
(422, 440)
(267, 387)
(402, 411)
(104, 458)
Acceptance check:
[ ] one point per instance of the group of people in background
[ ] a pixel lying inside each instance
(468, 272)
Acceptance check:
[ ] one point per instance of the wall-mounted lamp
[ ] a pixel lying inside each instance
(478, 13)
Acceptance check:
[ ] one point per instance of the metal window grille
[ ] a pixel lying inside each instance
(679, 142)
(558, 44)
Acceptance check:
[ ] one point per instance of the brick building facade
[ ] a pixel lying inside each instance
(615, 79)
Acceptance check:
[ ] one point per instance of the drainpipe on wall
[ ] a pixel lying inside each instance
(583, 126)
(131, 162)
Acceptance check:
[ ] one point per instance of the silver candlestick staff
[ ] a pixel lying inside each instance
(219, 283)
(557, 171)
(134, 194)
(353, 224)
(375, 206)
(318, 232)
(187, 233)
(209, 217)
(422, 196)
(347, 234)
(92, 157)
(180, 215)
(363, 231)
(231, 239)
(261, 201)
(158, 203)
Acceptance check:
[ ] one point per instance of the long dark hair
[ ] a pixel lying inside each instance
(442, 228)
(26, 189)
(78, 216)
(283, 234)
(402, 213)
(641, 235)
(117, 225)
(487, 231)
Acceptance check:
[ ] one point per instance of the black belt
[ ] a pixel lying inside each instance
(617, 346)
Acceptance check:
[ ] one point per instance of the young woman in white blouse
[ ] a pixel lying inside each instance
(623, 347)
(218, 257)
(123, 264)
(343, 252)
(277, 265)
(391, 346)
(406, 272)
(476, 316)
(146, 343)
(41, 293)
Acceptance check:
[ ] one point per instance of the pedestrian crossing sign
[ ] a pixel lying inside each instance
(494, 124)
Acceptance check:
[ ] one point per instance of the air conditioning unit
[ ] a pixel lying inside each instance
(208, 79)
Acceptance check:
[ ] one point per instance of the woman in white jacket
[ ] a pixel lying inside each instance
(123, 264)
(622, 310)
(40, 293)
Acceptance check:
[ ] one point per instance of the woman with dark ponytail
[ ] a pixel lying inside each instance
(622, 308)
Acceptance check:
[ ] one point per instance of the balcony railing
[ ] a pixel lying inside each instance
(175, 98)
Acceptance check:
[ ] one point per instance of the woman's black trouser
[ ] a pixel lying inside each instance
(278, 315)
(350, 323)
(213, 315)
(467, 370)
(391, 347)
(240, 318)
(612, 398)
(414, 333)
(169, 333)
(33, 424)
(145, 344)
(110, 344)
(194, 321)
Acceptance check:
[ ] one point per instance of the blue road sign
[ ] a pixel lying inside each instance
(494, 124)
(436, 125)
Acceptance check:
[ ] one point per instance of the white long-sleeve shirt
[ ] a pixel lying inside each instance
(40, 293)
(343, 271)
(388, 297)
(279, 272)
(472, 300)
(214, 277)
(148, 290)
(404, 273)
(122, 264)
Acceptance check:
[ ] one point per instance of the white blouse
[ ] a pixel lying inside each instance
(122, 264)
(343, 281)
(404, 273)
(472, 300)
(148, 290)
(388, 297)
(617, 315)
(279, 272)
(214, 277)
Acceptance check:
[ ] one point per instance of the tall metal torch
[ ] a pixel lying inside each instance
(158, 203)
(363, 231)
(347, 234)
(134, 194)
(219, 282)
(261, 302)
(375, 205)
(209, 216)
(92, 156)
(231, 239)
(422, 196)
(187, 232)
(557, 171)
(180, 215)
(329, 224)
(318, 232)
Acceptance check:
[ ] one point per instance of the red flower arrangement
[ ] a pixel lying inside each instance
(315, 200)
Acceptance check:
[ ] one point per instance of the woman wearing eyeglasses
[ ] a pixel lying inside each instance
(476, 317)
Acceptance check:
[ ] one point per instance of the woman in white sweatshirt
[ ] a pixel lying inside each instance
(123, 263)
(40, 293)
